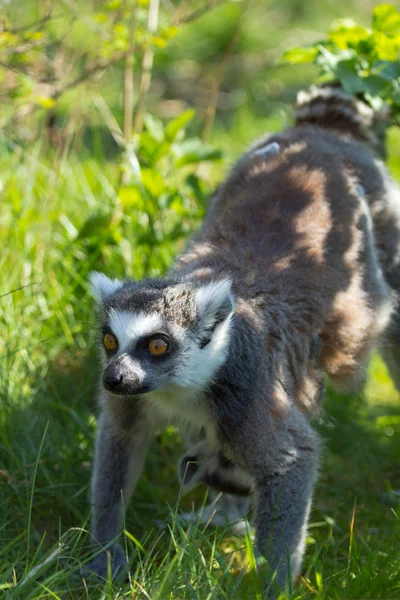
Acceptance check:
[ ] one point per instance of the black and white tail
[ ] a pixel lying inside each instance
(330, 107)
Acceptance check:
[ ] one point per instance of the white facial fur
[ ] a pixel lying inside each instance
(195, 366)
(211, 297)
(102, 286)
(129, 327)
(199, 365)
(179, 398)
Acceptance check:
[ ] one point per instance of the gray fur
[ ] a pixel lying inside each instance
(223, 510)
(121, 447)
(199, 465)
(290, 278)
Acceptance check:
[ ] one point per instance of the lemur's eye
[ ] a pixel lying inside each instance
(110, 341)
(158, 346)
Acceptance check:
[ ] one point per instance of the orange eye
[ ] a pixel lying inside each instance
(110, 341)
(158, 347)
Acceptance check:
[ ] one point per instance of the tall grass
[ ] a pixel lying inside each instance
(61, 217)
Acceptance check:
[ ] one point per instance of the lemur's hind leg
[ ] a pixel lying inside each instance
(385, 212)
(390, 349)
(231, 506)
(223, 510)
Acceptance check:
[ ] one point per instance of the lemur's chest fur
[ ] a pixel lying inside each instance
(183, 407)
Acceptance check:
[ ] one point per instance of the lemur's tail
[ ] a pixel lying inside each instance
(330, 107)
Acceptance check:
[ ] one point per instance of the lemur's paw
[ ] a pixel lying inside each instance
(112, 560)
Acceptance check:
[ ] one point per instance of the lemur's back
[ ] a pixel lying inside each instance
(301, 206)
(311, 217)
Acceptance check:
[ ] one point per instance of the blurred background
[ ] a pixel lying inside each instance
(117, 120)
(220, 55)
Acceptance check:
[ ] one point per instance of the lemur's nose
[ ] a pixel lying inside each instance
(112, 377)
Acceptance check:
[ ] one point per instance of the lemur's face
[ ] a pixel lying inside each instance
(158, 332)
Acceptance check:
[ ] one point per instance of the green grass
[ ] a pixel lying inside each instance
(62, 214)
(47, 429)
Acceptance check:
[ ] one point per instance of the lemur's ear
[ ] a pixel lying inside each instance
(267, 150)
(102, 287)
(214, 303)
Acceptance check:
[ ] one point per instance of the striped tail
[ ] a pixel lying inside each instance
(330, 107)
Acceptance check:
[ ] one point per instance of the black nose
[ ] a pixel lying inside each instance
(112, 377)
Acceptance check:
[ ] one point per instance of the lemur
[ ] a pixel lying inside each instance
(292, 276)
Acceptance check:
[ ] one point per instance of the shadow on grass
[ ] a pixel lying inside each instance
(61, 416)
(360, 466)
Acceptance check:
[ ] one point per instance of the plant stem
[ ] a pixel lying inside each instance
(197, 12)
(128, 79)
(216, 84)
(147, 66)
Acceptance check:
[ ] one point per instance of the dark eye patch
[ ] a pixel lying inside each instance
(142, 345)
(105, 328)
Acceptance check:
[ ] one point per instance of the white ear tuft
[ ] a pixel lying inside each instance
(102, 287)
(215, 302)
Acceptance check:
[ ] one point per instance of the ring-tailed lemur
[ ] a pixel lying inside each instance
(290, 277)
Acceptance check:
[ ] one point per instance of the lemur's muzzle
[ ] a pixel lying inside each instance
(113, 377)
(122, 378)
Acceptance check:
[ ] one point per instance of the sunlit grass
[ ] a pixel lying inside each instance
(47, 429)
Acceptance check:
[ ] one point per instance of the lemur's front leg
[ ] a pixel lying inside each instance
(120, 454)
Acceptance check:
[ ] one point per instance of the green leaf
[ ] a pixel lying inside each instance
(154, 128)
(100, 18)
(348, 34)
(158, 41)
(346, 73)
(301, 54)
(329, 60)
(386, 18)
(44, 101)
(385, 47)
(364, 61)
(131, 198)
(376, 86)
(149, 149)
(177, 125)
(195, 186)
(194, 151)
(112, 5)
(153, 182)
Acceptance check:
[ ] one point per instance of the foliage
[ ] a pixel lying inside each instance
(160, 200)
(158, 190)
(366, 61)
(67, 46)
(80, 190)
